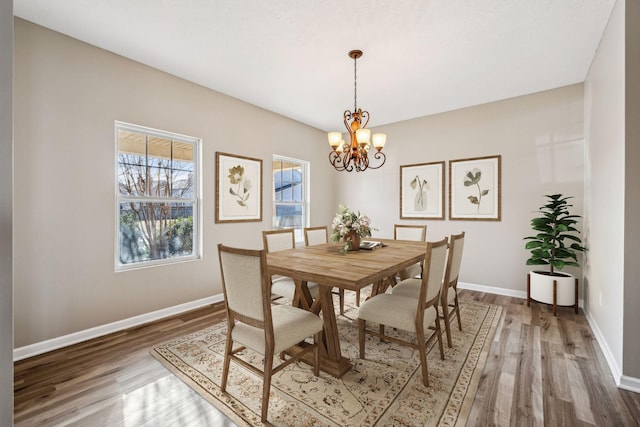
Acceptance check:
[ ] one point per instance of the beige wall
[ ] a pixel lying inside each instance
(540, 139)
(631, 343)
(6, 173)
(68, 95)
(605, 181)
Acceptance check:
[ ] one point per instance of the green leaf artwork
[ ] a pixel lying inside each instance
(473, 177)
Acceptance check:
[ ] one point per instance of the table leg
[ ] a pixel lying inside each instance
(333, 362)
(331, 359)
(302, 298)
(381, 286)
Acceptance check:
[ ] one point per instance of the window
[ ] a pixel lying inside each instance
(157, 196)
(290, 194)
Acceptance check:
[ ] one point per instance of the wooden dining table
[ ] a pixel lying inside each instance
(354, 270)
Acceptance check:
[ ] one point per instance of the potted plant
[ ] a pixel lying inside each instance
(556, 244)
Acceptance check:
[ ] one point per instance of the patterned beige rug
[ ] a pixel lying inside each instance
(384, 389)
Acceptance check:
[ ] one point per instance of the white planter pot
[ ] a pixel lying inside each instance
(541, 288)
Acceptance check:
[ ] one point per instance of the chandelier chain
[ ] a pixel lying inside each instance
(355, 84)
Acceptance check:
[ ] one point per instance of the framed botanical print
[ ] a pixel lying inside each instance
(238, 188)
(422, 191)
(474, 189)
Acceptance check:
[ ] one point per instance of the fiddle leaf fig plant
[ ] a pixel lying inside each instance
(557, 242)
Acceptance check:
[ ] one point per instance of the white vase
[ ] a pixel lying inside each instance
(541, 288)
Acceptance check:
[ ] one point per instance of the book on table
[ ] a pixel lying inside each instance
(370, 244)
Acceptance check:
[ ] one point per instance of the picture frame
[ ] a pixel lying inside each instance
(475, 188)
(238, 188)
(422, 191)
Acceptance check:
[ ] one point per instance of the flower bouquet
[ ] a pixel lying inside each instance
(349, 227)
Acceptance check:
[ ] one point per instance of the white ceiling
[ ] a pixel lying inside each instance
(421, 57)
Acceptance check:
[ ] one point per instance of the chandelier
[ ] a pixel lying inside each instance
(355, 154)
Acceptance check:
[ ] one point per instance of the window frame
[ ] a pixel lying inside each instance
(306, 190)
(195, 200)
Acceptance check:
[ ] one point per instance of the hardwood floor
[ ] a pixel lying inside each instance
(547, 371)
(542, 370)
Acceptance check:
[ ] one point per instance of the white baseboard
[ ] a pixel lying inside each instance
(629, 383)
(492, 290)
(622, 381)
(606, 351)
(76, 337)
(499, 291)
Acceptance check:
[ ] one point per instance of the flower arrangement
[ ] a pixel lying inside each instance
(348, 226)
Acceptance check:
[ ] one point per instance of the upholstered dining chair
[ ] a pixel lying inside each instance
(409, 314)
(449, 294)
(319, 236)
(280, 240)
(410, 232)
(254, 323)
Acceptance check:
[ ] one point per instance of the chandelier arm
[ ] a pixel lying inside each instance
(344, 162)
(346, 118)
(363, 115)
(333, 159)
(349, 160)
(379, 155)
(363, 164)
(336, 160)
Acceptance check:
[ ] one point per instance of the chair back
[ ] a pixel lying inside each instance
(410, 232)
(456, 245)
(245, 282)
(278, 240)
(434, 265)
(315, 236)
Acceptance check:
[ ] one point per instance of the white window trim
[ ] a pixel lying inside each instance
(306, 190)
(197, 191)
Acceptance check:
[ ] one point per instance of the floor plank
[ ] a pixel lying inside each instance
(542, 371)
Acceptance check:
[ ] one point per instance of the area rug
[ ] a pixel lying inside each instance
(384, 389)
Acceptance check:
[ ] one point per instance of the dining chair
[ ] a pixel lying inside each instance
(449, 294)
(254, 323)
(416, 233)
(319, 236)
(409, 314)
(280, 240)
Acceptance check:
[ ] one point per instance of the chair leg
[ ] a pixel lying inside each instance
(439, 336)
(341, 293)
(266, 386)
(423, 357)
(361, 325)
(317, 339)
(381, 333)
(447, 324)
(227, 361)
(458, 312)
(358, 298)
